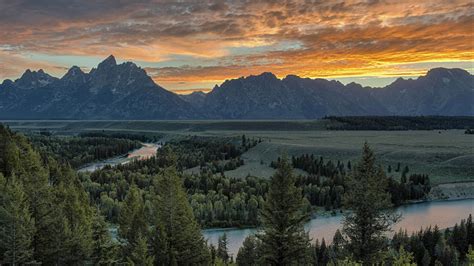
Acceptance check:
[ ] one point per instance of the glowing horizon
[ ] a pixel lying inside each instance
(190, 46)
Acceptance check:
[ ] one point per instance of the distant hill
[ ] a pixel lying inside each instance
(195, 98)
(125, 91)
(441, 92)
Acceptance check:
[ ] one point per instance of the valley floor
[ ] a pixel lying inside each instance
(445, 155)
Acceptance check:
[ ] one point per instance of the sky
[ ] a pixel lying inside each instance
(193, 45)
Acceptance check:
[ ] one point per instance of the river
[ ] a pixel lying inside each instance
(415, 216)
(146, 151)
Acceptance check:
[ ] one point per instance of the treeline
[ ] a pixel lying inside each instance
(213, 154)
(430, 245)
(142, 137)
(216, 200)
(219, 201)
(399, 122)
(326, 183)
(78, 151)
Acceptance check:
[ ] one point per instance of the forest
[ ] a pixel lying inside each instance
(221, 201)
(325, 184)
(399, 122)
(83, 149)
(50, 214)
(210, 154)
(142, 137)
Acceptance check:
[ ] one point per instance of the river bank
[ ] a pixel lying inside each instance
(146, 151)
(444, 214)
(452, 191)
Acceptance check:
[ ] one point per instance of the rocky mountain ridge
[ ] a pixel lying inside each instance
(125, 92)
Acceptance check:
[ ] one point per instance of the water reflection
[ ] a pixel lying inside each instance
(415, 216)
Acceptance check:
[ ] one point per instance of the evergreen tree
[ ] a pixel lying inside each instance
(139, 254)
(16, 224)
(104, 250)
(248, 254)
(403, 258)
(182, 241)
(75, 217)
(337, 250)
(426, 260)
(213, 253)
(132, 222)
(284, 240)
(323, 253)
(222, 251)
(371, 216)
(470, 256)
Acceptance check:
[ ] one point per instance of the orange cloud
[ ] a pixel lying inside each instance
(195, 44)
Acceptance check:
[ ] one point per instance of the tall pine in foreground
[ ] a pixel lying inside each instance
(371, 215)
(104, 249)
(178, 238)
(45, 213)
(249, 252)
(132, 220)
(284, 240)
(16, 225)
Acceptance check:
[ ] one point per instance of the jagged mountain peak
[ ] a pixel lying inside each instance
(74, 71)
(26, 74)
(74, 77)
(34, 79)
(108, 62)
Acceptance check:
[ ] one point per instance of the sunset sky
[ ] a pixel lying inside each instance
(189, 45)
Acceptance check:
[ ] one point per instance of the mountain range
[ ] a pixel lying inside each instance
(125, 92)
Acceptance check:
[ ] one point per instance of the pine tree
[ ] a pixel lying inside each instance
(213, 253)
(323, 255)
(426, 260)
(16, 224)
(74, 218)
(371, 215)
(182, 241)
(403, 258)
(104, 250)
(470, 256)
(222, 251)
(54, 199)
(139, 254)
(284, 240)
(248, 254)
(337, 247)
(132, 222)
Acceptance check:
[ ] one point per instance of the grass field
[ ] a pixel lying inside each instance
(447, 155)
